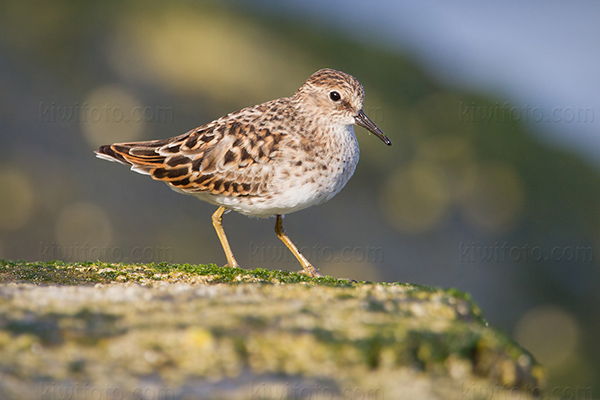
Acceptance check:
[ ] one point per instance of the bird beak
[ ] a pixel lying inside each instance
(364, 121)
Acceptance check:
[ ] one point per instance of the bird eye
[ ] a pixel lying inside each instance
(335, 96)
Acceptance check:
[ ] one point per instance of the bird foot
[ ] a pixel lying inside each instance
(310, 271)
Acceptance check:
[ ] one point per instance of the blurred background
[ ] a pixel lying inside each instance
(492, 184)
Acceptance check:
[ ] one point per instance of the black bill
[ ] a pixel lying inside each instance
(364, 121)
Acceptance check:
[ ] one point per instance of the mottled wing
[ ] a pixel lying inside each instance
(226, 157)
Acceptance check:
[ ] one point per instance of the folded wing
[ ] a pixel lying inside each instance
(226, 157)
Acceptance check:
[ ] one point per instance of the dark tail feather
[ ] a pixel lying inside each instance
(106, 152)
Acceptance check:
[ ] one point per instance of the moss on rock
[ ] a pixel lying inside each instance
(186, 331)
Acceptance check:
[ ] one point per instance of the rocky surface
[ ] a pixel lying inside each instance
(100, 331)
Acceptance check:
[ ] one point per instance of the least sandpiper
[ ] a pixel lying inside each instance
(268, 160)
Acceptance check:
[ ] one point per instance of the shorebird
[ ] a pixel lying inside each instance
(267, 160)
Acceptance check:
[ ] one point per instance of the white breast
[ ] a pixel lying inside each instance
(295, 187)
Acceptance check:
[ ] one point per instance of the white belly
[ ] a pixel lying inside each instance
(294, 187)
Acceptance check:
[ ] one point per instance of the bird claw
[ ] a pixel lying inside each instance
(311, 271)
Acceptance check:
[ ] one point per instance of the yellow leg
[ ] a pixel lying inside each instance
(308, 268)
(217, 220)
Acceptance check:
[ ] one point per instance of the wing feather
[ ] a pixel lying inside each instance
(229, 156)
